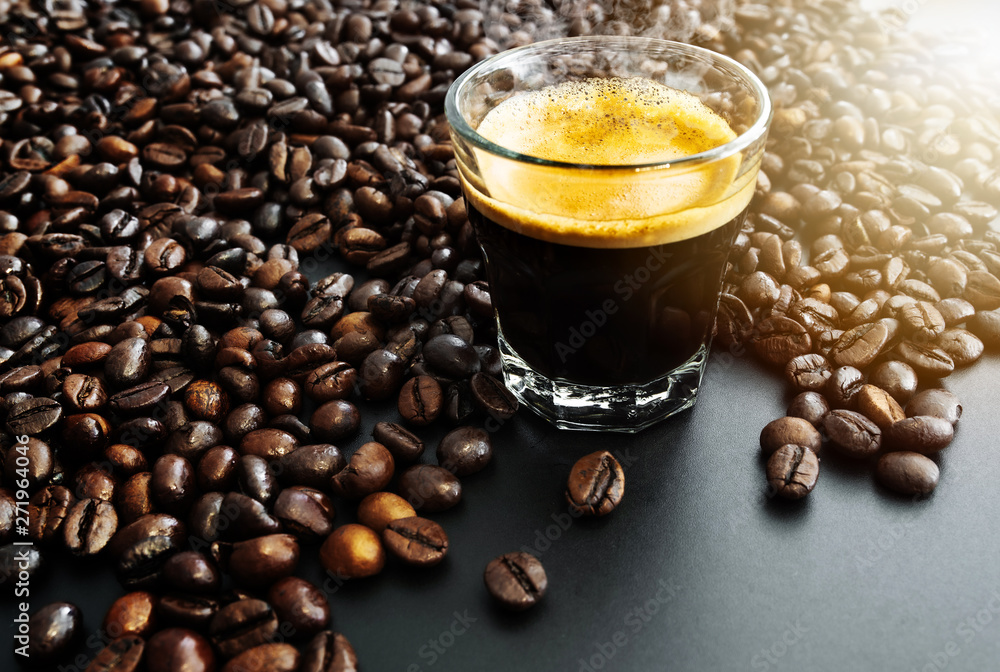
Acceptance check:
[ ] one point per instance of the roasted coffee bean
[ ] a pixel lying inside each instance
(492, 397)
(329, 652)
(963, 347)
(878, 406)
(380, 508)
(151, 525)
(927, 360)
(852, 433)
(924, 434)
(404, 445)
(352, 551)
(140, 564)
(335, 420)
(780, 339)
(844, 384)
(421, 401)
(416, 541)
(810, 406)
(123, 654)
(193, 612)
(333, 380)
(380, 375)
(465, 450)
(179, 649)
(241, 625)
(131, 614)
(52, 631)
(301, 605)
(369, 470)
(139, 399)
(907, 473)
(312, 465)
(192, 572)
(430, 488)
(216, 469)
(596, 484)
(276, 656)
(33, 416)
(257, 563)
(89, 526)
(173, 484)
(268, 443)
(517, 580)
(84, 393)
(305, 511)
(938, 403)
(789, 430)
(451, 356)
(128, 363)
(34, 464)
(895, 377)
(47, 513)
(242, 517)
(792, 471)
(808, 372)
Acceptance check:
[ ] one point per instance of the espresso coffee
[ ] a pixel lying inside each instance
(605, 270)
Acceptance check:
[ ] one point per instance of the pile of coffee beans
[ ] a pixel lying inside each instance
(868, 269)
(177, 373)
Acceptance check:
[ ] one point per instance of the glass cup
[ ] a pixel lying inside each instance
(606, 189)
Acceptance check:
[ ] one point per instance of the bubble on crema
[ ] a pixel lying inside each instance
(512, 23)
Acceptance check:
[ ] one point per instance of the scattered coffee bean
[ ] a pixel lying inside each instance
(792, 471)
(596, 484)
(907, 473)
(516, 580)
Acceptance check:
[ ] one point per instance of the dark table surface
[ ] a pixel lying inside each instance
(697, 569)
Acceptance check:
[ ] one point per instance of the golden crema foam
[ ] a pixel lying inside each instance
(607, 122)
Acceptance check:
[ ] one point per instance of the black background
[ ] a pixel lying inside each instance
(723, 578)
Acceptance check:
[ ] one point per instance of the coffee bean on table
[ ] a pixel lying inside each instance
(907, 473)
(852, 433)
(416, 541)
(430, 488)
(937, 402)
(179, 649)
(272, 656)
(492, 397)
(792, 471)
(844, 383)
(895, 377)
(305, 511)
(517, 580)
(369, 470)
(924, 434)
(89, 526)
(404, 445)
(52, 631)
(808, 372)
(381, 508)
(789, 430)
(131, 614)
(241, 625)
(810, 406)
(465, 450)
(259, 562)
(300, 604)
(878, 406)
(420, 401)
(596, 484)
(329, 652)
(352, 551)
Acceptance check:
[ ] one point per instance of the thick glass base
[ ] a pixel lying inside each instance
(616, 408)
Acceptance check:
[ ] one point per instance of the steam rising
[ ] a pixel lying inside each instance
(511, 23)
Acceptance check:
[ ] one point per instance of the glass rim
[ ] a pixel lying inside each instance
(739, 143)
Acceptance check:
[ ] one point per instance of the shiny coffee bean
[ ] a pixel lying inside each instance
(369, 470)
(907, 473)
(421, 401)
(131, 614)
(430, 488)
(329, 652)
(352, 551)
(404, 445)
(305, 511)
(416, 541)
(52, 631)
(517, 580)
(938, 403)
(123, 654)
(852, 433)
(380, 508)
(789, 430)
(257, 563)
(792, 471)
(923, 434)
(301, 605)
(241, 625)
(465, 450)
(596, 484)
(179, 649)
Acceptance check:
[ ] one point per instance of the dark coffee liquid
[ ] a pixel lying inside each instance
(604, 316)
